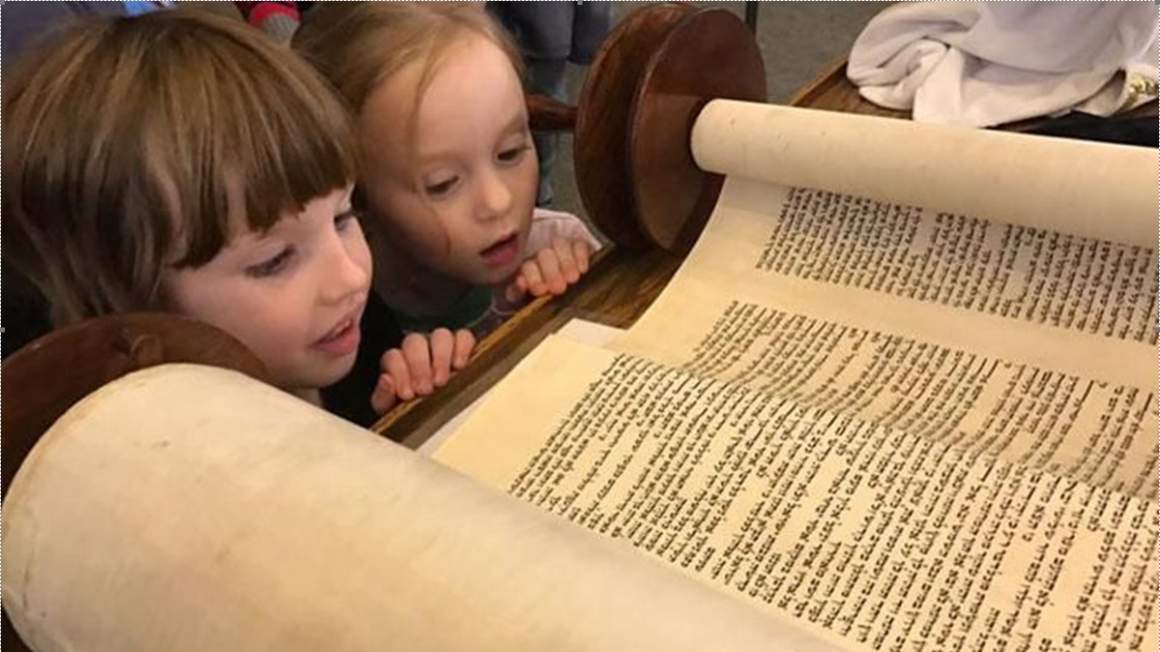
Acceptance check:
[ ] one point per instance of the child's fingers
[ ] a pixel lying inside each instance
(464, 344)
(383, 398)
(530, 270)
(550, 269)
(417, 352)
(517, 289)
(442, 347)
(568, 267)
(395, 365)
(581, 252)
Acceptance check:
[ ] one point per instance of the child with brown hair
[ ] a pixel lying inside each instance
(182, 162)
(450, 172)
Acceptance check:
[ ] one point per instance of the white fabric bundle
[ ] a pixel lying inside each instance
(986, 63)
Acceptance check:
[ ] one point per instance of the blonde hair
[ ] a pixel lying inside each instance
(124, 136)
(359, 45)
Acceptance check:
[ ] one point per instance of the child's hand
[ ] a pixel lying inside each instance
(551, 270)
(419, 365)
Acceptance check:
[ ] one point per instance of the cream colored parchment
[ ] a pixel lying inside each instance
(192, 508)
(902, 390)
(886, 540)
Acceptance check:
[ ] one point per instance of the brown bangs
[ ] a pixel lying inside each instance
(129, 141)
(255, 123)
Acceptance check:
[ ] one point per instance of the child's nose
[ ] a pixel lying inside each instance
(495, 196)
(349, 274)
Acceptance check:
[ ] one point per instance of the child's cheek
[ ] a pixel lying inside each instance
(425, 238)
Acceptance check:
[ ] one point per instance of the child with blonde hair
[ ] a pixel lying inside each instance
(450, 174)
(184, 163)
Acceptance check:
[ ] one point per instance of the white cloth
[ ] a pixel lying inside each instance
(986, 63)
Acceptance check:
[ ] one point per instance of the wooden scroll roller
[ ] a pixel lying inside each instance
(656, 70)
(190, 507)
(674, 103)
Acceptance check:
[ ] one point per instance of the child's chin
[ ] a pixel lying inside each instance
(345, 366)
(330, 373)
(495, 275)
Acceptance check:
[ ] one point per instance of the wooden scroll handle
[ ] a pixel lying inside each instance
(548, 114)
(631, 127)
(671, 196)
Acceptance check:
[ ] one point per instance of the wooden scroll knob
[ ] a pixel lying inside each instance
(708, 55)
(548, 114)
(655, 71)
(605, 114)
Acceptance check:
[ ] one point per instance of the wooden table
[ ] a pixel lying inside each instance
(617, 290)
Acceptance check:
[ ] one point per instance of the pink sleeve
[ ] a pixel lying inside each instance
(547, 225)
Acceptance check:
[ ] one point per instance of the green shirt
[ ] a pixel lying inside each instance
(476, 311)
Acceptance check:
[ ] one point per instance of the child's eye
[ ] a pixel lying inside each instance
(271, 266)
(344, 219)
(441, 188)
(513, 154)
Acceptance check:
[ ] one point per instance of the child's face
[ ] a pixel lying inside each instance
(293, 295)
(468, 217)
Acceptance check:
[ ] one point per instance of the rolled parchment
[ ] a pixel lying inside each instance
(191, 508)
(1094, 190)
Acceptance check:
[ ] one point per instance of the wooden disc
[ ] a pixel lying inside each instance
(49, 375)
(708, 55)
(603, 177)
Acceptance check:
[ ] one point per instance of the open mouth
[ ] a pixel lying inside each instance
(502, 252)
(339, 331)
(342, 339)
